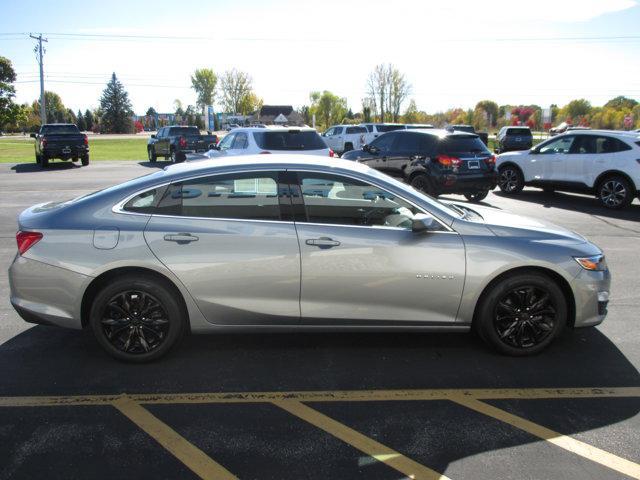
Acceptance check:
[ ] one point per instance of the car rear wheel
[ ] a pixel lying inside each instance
(44, 160)
(348, 147)
(477, 196)
(522, 314)
(422, 184)
(510, 179)
(137, 319)
(85, 160)
(152, 155)
(615, 192)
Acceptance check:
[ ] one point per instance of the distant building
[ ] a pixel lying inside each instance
(277, 115)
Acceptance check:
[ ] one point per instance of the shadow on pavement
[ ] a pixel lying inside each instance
(577, 203)
(35, 167)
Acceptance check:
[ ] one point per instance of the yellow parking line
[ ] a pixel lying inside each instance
(585, 450)
(194, 458)
(328, 396)
(363, 443)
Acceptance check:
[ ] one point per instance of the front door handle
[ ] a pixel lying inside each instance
(322, 242)
(180, 237)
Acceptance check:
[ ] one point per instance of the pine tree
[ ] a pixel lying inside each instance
(82, 126)
(116, 108)
(88, 120)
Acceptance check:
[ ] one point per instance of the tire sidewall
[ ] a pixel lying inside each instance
(85, 160)
(486, 311)
(519, 176)
(628, 199)
(154, 287)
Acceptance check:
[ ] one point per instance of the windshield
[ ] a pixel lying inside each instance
(59, 129)
(519, 131)
(289, 140)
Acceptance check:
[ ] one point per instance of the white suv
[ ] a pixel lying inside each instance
(374, 130)
(602, 162)
(255, 140)
(343, 138)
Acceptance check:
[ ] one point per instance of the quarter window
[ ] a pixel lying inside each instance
(250, 196)
(143, 203)
(333, 199)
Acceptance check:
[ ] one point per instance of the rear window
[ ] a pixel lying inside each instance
(461, 144)
(184, 131)
(389, 128)
(290, 140)
(59, 129)
(356, 130)
(464, 128)
(519, 131)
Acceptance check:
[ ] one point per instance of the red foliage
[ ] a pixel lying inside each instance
(138, 126)
(515, 121)
(531, 123)
(547, 125)
(523, 113)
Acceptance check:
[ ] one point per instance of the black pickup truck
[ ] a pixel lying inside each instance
(175, 142)
(63, 141)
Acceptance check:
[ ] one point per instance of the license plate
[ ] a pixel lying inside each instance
(518, 139)
(66, 149)
(473, 164)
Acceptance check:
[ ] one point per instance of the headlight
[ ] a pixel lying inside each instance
(595, 263)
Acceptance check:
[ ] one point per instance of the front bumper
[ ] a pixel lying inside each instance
(591, 294)
(45, 294)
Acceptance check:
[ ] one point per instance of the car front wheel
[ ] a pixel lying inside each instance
(477, 196)
(136, 318)
(522, 314)
(510, 179)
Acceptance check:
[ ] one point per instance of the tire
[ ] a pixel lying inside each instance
(615, 192)
(348, 147)
(85, 160)
(477, 196)
(152, 155)
(136, 338)
(549, 190)
(510, 179)
(75, 159)
(176, 157)
(44, 161)
(422, 184)
(506, 318)
(37, 159)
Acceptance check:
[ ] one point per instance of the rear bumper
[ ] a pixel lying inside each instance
(45, 294)
(62, 151)
(454, 183)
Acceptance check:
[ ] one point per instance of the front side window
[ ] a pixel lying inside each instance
(329, 132)
(241, 141)
(408, 143)
(337, 131)
(226, 142)
(352, 130)
(245, 196)
(338, 200)
(384, 143)
(560, 145)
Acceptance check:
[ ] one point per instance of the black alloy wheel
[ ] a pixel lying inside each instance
(477, 196)
(421, 183)
(510, 180)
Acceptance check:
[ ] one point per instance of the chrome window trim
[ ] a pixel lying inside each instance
(118, 207)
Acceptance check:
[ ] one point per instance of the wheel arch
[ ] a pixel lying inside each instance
(511, 163)
(611, 173)
(559, 279)
(103, 279)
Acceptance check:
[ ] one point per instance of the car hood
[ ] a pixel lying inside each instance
(507, 224)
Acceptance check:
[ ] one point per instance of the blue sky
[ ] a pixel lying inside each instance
(453, 53)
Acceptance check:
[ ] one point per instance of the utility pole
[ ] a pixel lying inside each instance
(40, 57)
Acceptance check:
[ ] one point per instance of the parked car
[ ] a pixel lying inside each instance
(484, 136)
(252, 140)
(514, 138)
(374, 130)
(60, 140)
(601, 162)
(175, 142)
(232, 126)
(283, 243)
(343, 138)
(414, 126)
(433, 161)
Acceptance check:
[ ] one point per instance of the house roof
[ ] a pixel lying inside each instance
(275, 110)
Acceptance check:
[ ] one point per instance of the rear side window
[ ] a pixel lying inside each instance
(351, 130)
(184, 131)
(59, 129)
(247, 196)
(143, 203)
(389, 128)
(523, 132)
(457, 144)
(289, 140)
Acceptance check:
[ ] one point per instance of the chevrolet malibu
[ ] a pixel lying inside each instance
(292, 242)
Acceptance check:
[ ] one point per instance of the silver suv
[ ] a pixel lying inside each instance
(284, 242)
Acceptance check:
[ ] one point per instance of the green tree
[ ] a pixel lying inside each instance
(235, 85)
(486, 113)
(10, 112)
(576, 109)
(116, 108)
(204, 82)
(411, 113)
(249, 103)
(88, 120)
(328, 107)
(151, 112)
(621, 103)
(80, 119)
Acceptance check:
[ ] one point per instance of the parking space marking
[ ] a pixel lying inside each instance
(585, 450)
(326, 396)
(194, 458)
(374, 449)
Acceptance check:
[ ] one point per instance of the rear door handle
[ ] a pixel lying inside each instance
(180, 237)
(321, 242)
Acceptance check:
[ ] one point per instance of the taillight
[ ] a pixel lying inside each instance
(491, 161)
(86, 140)
(331, 153)
(26, 240)
(264, 152)
(182, 142)
(44, 142)
(447, 161)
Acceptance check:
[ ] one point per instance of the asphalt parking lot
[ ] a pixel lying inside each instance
(334, 405)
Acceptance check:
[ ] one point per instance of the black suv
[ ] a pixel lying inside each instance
(433, 161)
(514, 138)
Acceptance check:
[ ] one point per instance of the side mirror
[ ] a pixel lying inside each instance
(534, 150)
(423, 223)
(373, 150)
(33, 135)
(154, 136)
(365, 147)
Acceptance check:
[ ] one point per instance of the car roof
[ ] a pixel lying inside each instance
(275, 128)
(618, 133)
(436, 132)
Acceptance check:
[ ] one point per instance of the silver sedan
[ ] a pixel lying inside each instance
(296, 243)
